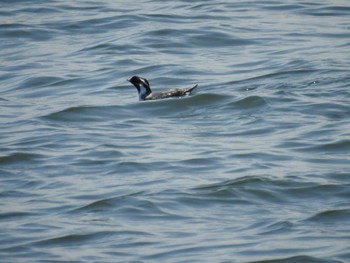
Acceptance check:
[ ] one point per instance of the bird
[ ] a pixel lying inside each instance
(145, 93)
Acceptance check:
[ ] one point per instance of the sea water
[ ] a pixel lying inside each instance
(254, 167)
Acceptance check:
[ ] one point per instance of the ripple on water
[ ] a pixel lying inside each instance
(249, 103)
(339, 216)
(85, 113)
(20, 157)
(298, 259)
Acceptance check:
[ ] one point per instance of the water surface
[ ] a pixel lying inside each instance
(252, 168)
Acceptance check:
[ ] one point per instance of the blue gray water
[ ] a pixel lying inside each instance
(255, 167)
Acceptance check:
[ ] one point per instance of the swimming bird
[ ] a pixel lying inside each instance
(145, 92)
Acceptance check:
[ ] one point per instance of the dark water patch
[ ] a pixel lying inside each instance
(44, 81)
(326, 147)
(101, 155)
(9, 26)
(330, 10)
(90, 164)
(149, 70)
(282, 6)
(20, 157)
(249, 103)
(328, 76)
(148, 211)
(244, 189)
(167, 18)
(282, 74)
(197, 166)
(219, 39)
(333, 111)
(334, 35)
(100, 25)
(136, 167)
(218, 198)
(23, 32)
(186, 38)
(75, 239)
(168, 32)
(197, 162)
(233, 183)
(85, 113)
(341, 146)
(176, 47)
(4, 100)
(263, 195)
(82, 6)
(101, 205)
(14, 215)
(189, 253)
(318, 191)
(62, 82)
(38, 10)
(331, 217)
(277, 228)
(10, 179)
(278, 191)
(298, 259)
(99, 202)
(342, 177)
(108, 48)
(208, 98)
(253, 155)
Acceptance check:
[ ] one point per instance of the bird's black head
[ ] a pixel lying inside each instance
(142, 86)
